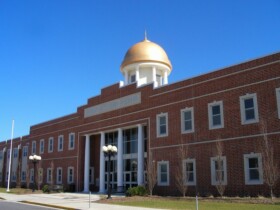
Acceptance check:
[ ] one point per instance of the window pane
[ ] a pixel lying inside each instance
(187, 115)
(162, 129)
(217, 120)
(163, 177)
(190, 177)
(189, 166)
(253, 163)
(254, 174)
(249, 103)
(216, 109)
(250, 114)
(188, 125)
(163, 168)
(162, 120)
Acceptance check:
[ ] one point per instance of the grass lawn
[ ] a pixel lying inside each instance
(204, 204)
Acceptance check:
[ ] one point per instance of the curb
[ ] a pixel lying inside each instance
(48, 205)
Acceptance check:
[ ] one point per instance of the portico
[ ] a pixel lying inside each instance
(127, 167)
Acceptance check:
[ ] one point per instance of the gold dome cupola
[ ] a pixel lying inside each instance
(146, 62)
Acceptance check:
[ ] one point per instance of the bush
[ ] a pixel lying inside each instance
(139, 190)
(46, 189)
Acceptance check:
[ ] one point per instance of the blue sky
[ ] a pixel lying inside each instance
(55, 54)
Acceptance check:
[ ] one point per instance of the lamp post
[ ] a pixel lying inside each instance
(109, 151)
(34, 159)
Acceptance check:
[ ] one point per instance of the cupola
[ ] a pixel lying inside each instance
(146, 62)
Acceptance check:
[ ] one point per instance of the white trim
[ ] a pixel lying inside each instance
(242, 99)
(60, 141)
(246, 169)
(183, 130)
(213, 170)
(190, 160)
(50, 139)
(42, 146)
(158, 125)
(57, 175)
(159, 164)
(210, 114)
(278, 100)
(69, 141)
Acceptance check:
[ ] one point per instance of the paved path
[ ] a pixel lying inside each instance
(73, 200)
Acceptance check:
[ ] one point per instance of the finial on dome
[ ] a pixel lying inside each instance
(145, 35)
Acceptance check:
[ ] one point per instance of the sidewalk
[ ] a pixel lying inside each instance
(75, 201)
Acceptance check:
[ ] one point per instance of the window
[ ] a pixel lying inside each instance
(187, 120)
(25, 151)
(15, 153)
(31, 175)
(71, 144)
(23, 176)
(132, 78)
(59, 175)
(50, 148)
(14, 176)
(159, 80)
(249, 109)
(218, 170)
(189, 170)
(33, 147)
(91, 175)
(163, 173)
(162, 125)
(42, 142)
(278, 100)
(70, 175)
(1, 156)
(215, 115)
(49, 175)
(40, 175)
(60, 143)
(253, 169)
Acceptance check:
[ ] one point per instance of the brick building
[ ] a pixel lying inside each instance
(219, 117)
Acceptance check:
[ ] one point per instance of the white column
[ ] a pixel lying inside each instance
(140, 156)
(155, 76)
(86, 169)
(102, 165)
(125, 78)
(120, 160)
(165, 78)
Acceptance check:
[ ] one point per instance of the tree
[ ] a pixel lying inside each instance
(151, 173)
(271, 170)
(181, 175)
(219, 169)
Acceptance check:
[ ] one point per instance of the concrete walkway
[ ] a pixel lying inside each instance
(75, 201)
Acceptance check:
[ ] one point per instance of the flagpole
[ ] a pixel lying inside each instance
(11, 150)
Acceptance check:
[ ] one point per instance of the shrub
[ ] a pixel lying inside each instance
(46, 189)
(139, 190)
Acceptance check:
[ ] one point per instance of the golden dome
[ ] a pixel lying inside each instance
(146, 51)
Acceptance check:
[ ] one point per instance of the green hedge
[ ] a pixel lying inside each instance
(139, 190)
